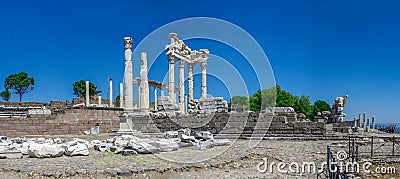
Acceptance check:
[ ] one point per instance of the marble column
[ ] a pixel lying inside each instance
(162, 92)
(182, 85)
(121, 95)
(171, 78)
(99, 102)
(155, 98)
(203, 79)
(144, 83)
(111, 93)
(368, 125)
(190, 81)
(355, 122)
(373, 122)
(87, 93)
(128, 74)
(364, 119)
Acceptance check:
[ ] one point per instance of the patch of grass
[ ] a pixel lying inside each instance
(18, 170)
(106, 154)
(188, 169)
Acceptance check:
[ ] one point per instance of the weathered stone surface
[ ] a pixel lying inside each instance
(122, 141)
(222, 142)
(141, 147)
(75, 148)
(166, 145)
(204, 135)
(102, 147)
(44, 151)
(9, 153)
(171, 134)
(203, 145)
(128, 152)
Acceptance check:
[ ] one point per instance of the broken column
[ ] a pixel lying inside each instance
(121, 95)
(368, 125)
(144, 83)
(155, 98)
(99, 102)
(190, 81)
(111, 93)
(373, 122)
(182, 85)
(87, 93)
(128, 73)
(364, 120)
(203, 80)
(355, 122)
(171, 78)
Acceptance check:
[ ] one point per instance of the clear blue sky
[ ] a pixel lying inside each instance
(318, 48)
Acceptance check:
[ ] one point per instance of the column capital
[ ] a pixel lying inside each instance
(128, 42)
(181, 63)
(171, 59)
(203, 65)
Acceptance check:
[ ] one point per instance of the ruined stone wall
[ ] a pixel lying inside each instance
(234, 123)
(69, 121)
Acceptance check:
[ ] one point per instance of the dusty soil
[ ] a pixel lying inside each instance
(235, 161)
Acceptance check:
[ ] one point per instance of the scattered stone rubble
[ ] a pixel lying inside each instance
(322, 116)
(125, 145)
(207, 105)
(42, 148)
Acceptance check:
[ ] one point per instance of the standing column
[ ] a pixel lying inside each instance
(182, 85)
(144, 83)
(87, 93)
(128, 73)
(355, 122)
(190, 81)
(121, 95)
(368, 125)
(364, 120)
(99, 102)
(162, 92)
(203, 79)
(111, 93)
(155, 98)
(373, 122)
(171, 82)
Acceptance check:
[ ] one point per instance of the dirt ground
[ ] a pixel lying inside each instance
(235, 161)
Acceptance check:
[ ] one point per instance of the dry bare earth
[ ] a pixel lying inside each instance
(236, 161)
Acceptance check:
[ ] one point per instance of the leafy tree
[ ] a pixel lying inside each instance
(5, 95)
(241, 101)
(303, 105)
(117, 98)
(20, 83)
(319, 106)
(284, 98)
(79, 88)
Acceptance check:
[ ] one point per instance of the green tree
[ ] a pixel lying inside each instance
(20, 83)
(303, 105)
(241, 101)
(320, 106)
(284, 98)
(5, 95)
(79, 88)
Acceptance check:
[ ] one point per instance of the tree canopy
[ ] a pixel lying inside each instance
(79, 88)
(20, 83)
(5, 95)
(277, 97)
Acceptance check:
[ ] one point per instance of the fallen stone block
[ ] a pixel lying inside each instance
(166, 145)
(10, 153)
(75, 148)
(203, 145)
(141, 147)
(45, 151)
(222, 142)
(170, 134)
(128, 152)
